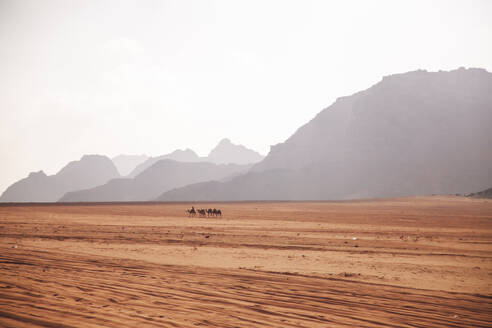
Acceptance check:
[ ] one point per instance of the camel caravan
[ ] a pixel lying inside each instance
(203, 212)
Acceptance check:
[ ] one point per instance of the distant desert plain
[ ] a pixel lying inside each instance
(406, 262)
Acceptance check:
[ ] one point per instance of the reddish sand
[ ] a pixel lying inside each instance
(413, 262)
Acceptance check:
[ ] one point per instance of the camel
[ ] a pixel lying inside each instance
(204, 212)
(216, 212)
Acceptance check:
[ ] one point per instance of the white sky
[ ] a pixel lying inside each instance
(133, 77)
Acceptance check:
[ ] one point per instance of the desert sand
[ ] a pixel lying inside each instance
(410, 262)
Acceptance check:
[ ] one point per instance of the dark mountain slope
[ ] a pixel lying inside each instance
(482, 194)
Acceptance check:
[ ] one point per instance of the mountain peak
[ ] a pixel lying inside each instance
(225, 141)
(37, 174)
(227, 152)
(186, 151)
(92, 156)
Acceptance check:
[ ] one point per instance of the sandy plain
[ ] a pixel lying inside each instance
(410, 262)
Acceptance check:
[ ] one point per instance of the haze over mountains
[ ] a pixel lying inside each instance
(414, 133)
(96, 178)
(224, 153)
(163, 175)
(187, 155)
(88, 172)
(126, 163)
(410, 134)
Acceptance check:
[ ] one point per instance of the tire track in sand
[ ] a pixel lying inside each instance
(48, 289)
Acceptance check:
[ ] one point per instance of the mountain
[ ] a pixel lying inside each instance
(413, 133)
(161, 176)
(186, 155)
(126, 163)
(226, 152)
(271, 185)
(482, 194)
(88, 172)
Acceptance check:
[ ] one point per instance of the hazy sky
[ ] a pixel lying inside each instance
(134, 77)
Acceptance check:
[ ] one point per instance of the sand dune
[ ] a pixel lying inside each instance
(414, 262)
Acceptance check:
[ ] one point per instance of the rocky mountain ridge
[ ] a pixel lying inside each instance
(414, 133)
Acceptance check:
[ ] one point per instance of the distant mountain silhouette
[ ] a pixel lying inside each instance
(186, 155)
(161, 176)
(88, 172)
(126, 163)
(226, 153)
(414, 133)
(482, 194)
